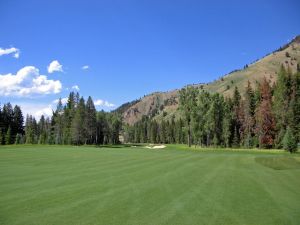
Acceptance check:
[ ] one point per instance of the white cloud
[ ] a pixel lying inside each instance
(63, 101)
(55, 66)
(36, 109)
(76, 87)
(47, 112)
(86, 67)
(27, 82)
(100, 102)
(7, 51)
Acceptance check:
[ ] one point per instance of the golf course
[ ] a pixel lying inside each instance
(133, 185)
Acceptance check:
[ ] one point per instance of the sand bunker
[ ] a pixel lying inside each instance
(155, 146)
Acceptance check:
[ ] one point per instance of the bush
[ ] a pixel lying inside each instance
(287, 54)
(289, 142)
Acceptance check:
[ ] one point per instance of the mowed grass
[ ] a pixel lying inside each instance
(86, 185)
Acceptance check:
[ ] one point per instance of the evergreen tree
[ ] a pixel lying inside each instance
(19, 139)
(289, 142)
(163, 132)
(78, 132)
(90, 121)
(179, 134)
(29, 130)
(295, 107)
(214, 120)
(154, 132)
(2, 141)
(43, 131)
(227, 123)
(58, 118)
(238, 116)
(18, 122)
(8, 137)
(69, 113)
(249, 120)
(281, 102)
(7, 117)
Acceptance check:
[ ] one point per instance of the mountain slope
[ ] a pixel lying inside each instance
(164, 104)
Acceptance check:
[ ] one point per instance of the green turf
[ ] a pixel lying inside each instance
(87, 185)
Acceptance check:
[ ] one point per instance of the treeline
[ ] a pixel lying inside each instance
(267, 116)
(77, 122)
(148, 130)
(11, 124)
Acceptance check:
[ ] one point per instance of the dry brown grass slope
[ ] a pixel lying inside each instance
(164, 104)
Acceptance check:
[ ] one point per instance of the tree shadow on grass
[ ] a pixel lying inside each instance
(278, 163)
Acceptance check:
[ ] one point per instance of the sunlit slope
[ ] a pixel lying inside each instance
(163, 105)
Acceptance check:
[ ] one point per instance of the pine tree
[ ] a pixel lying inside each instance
(248, 112)
(238, 116)
(2, 139)
(90, 122)
(289, 142)
(281, 101)
(154, 132)
(179, 136)
(163, 132)
(18, 139)
(58, 117)
(171, 131)
(18, 122)
(69, 113)
(78, 132)
(214, 120)
(29, 130)
(43, 131)
(295, 107)
(235, 141)
(7, 117)
(8, 137)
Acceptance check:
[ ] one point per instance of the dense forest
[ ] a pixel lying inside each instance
(76, 123)
(266, 116)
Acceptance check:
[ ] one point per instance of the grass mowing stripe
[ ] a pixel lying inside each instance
(86, 185)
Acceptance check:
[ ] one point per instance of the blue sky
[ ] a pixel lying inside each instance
(131, 48)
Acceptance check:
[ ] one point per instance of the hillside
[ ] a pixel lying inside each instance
(165, 104)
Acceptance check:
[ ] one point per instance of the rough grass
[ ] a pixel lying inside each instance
(124, 185)
(279, 163)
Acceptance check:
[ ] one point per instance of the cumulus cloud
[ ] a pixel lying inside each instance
(46, 111)
(28, 82)
(14, 51)
(100, 102)
(55, 66)
(86, 67)
(76, 87)
(36, 109)
(63, 101)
